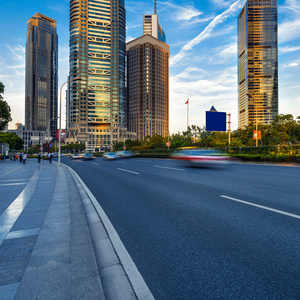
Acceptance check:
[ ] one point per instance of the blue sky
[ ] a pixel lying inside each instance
(203, 40)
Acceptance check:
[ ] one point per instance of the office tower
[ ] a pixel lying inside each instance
(153, 27)
(148, 86)
(41, 75)
(258, 62)
(97, 56)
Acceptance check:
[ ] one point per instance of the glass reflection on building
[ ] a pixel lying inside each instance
(258, 62)
(97, 55)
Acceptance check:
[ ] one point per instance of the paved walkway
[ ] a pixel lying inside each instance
(53, 244)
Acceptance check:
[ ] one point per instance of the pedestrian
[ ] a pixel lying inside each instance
(39, 157)
(20, 157)
(50, 157)
(24, 157)
(14, 156)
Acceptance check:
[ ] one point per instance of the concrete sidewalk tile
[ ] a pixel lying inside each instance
(48, 283)
(105, 254)
(60, 213)
(116, 284)
(9, 291)
(58, 222)
(98, 232)
(80, 235)
(78, 219)
(85, 200)
(53, 236)
(89, 208)
(22, 233)
(87, 288)
(83, 263)
(92, 218)
(50, 257)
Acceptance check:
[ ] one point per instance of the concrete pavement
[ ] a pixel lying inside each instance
(55, 240)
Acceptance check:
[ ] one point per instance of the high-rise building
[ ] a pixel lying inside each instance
(41, 75)
(153, 27)
(148, 83)
(97, 55)
(258, 62)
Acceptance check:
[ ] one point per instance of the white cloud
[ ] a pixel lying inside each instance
(289, 49)
(289, 30)
(291, 65)
(206, 33)
(222, 3)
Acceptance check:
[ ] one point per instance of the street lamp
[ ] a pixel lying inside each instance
(59, 138)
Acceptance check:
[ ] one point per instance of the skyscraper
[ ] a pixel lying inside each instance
(148, 81)
(97, 56)
(258, 62)
(41, 75)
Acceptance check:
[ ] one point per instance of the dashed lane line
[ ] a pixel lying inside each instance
(124, 170)
(169, 168)
(262, 207)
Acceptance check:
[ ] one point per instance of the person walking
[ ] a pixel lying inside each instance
(20, 157)
(39, 157)
(24, 157)
(50, 157)
(14, 156)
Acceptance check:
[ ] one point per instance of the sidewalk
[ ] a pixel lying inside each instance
(53, 244)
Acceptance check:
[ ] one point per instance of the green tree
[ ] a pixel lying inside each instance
(14, 142)
(5, 115)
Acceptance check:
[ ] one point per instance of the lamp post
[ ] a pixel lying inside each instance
(59, 138)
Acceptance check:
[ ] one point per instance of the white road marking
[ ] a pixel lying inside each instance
(263, 207)
(96, 164)
(121, 162)
(14, 180)
(169, 168)
(21, 183)
(128, 171)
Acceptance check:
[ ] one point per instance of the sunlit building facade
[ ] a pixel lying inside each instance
(148, 86)
(258, 62)
(41, 75)
(96, 103)
(152, 26)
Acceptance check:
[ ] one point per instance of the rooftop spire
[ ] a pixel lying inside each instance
(155, 10)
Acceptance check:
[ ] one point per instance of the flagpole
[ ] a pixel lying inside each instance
(188, 103)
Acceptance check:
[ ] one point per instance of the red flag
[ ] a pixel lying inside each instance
(187, 102)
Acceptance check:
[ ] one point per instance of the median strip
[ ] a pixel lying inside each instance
(128, 171)
(262, 207)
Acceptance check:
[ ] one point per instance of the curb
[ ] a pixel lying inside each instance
(119, 274)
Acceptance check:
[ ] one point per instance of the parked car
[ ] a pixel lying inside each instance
(201, 157)
(88, 156)
(110, 156)
(125, 154)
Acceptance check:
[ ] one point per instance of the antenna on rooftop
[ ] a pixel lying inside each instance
(155, 10)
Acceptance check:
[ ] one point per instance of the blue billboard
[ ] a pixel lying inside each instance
(215, 121)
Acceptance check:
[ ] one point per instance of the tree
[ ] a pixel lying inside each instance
(5, 115)
(15, 142)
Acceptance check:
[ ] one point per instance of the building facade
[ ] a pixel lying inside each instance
(96, 103)
(258, 62)
(152, 26)
(148, 86)
(41, 75)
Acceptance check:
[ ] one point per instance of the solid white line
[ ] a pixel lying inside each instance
(96, 164)
(13, 184)
(263, 207)
(128, 171)
(14, 180)
(138, 284)
(169, 168)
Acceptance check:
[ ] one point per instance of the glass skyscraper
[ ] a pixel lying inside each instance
(148, 81)
(258, 62)
(41, 75)
(96, 108)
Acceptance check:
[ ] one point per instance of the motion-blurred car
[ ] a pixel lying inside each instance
(110, 156)
(203, 157)
(88, 156)
(125, 154)
(76, 156)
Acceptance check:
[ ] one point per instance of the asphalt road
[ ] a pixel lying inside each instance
(190, 235)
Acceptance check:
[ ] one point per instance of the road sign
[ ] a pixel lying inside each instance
(257, 134)
(168, 144)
